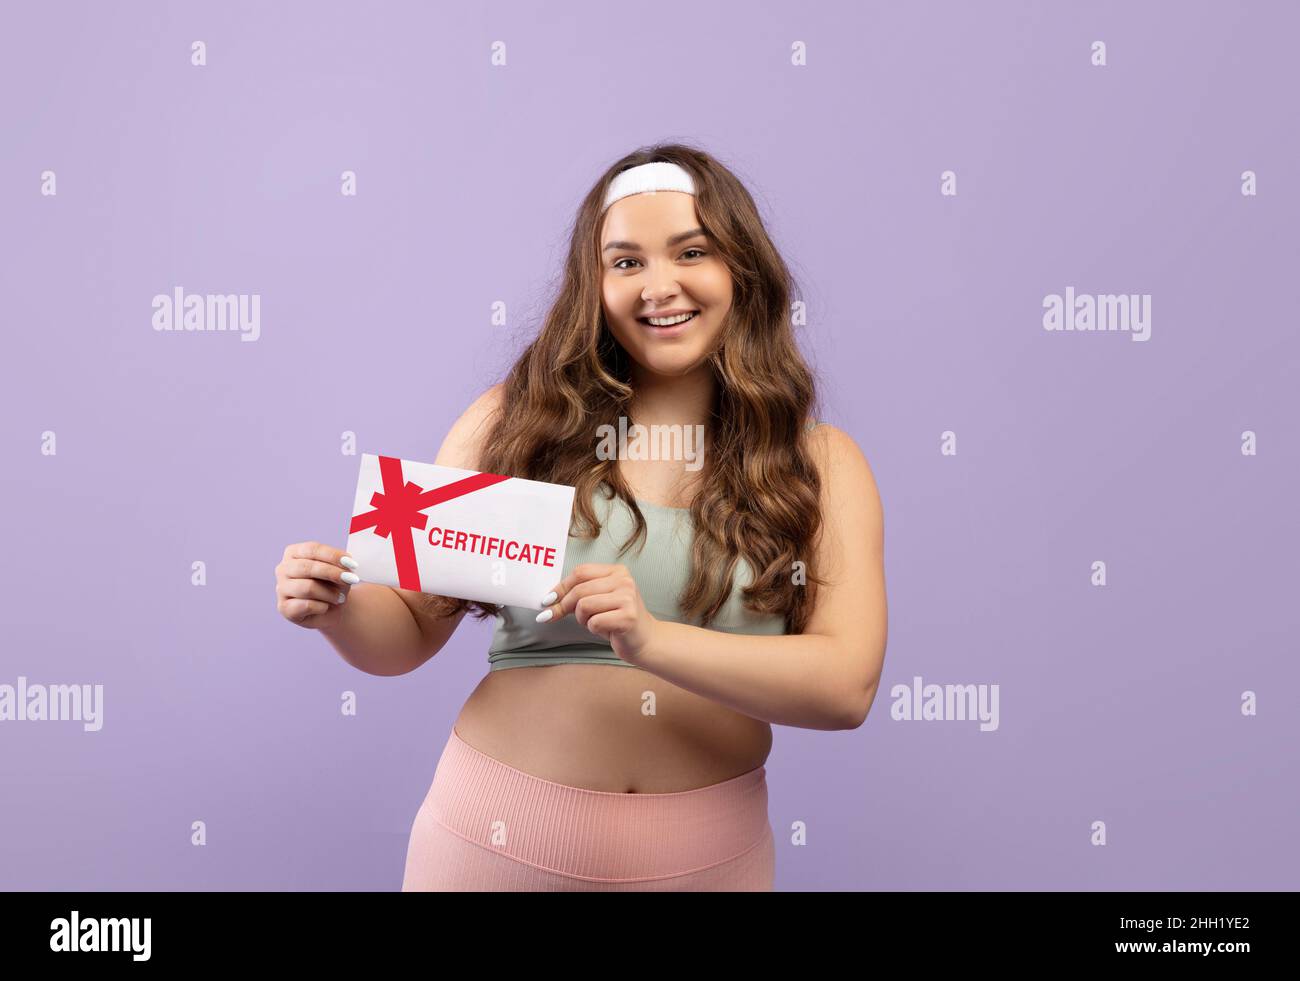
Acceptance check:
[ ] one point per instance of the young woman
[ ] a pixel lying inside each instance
(702, 599)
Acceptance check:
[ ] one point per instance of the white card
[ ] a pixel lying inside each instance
(474, 536)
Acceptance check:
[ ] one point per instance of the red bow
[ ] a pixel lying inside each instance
(398, 509)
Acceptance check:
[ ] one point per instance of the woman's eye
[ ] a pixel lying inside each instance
(619, 264)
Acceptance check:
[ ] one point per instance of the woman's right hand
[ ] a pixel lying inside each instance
(312, 583)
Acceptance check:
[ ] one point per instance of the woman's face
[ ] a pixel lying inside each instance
(653, 265)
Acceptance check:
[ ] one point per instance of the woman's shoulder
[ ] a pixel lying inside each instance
(490, 401)
(838, 455)
(463, 446)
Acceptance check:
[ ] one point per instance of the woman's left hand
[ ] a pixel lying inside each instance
(605, 600)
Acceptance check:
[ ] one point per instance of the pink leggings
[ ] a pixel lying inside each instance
(486, 826)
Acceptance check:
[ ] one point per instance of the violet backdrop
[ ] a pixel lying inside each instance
(1119, 703)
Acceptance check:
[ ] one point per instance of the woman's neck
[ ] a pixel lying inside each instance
(667, 399)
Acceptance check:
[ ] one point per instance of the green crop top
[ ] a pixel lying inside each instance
(661, 568)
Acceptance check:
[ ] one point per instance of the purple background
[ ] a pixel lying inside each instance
(1119, 704)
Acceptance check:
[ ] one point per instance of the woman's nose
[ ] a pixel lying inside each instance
(660, 288)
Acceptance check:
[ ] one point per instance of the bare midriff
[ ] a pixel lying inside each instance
(612, 727)
(609, 727)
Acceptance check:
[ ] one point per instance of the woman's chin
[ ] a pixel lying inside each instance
(672, 366)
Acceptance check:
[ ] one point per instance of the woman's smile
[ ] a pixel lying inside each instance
(670, 329)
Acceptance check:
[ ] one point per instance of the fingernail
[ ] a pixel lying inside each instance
(348, 562)
(545, 615)
(351, 578)
(343, 597)
(549, 598)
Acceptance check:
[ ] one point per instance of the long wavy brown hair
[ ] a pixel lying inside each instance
(761, 499)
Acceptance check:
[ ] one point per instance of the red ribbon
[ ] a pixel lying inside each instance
(398, 509)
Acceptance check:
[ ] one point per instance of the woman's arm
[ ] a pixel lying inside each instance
(388, 631)
(823, 678)
(377, 633)
(826, 677)
(804, 680)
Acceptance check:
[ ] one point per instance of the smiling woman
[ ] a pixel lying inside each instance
(701, 601)
(678, 288)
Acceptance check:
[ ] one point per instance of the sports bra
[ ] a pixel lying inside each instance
(661, 567)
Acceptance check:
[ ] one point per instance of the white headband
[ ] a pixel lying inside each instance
(648, 178)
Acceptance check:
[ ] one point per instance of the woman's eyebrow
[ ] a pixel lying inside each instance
(672, 240)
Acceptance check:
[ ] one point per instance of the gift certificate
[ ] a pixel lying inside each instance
(474, 536)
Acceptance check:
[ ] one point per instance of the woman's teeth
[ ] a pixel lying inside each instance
(669, 321)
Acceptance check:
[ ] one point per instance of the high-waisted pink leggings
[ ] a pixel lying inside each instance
(486, 826)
